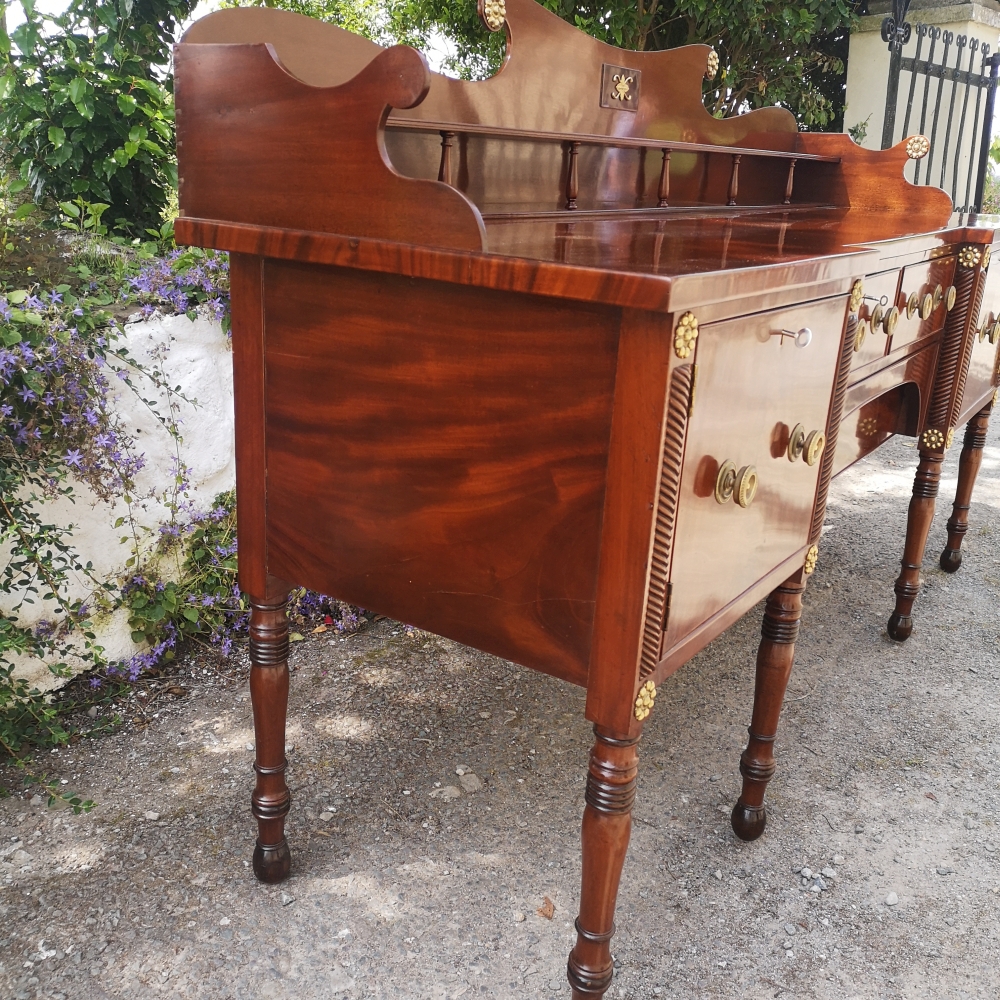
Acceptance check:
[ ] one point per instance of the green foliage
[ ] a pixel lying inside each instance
(204, 603)
(85, 111)
(790, 54)
(859, 132)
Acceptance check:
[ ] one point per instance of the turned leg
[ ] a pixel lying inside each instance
(269, 692)
(968, 469)
(774, 666)
(607, 824)
(918, 524)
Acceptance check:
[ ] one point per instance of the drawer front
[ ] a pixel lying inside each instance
(871, 341)
(753, 387)
(933, 278)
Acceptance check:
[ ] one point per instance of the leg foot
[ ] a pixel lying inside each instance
(918, 525)
(899, 626)
(607, 825)
(968, 469)
(774, 666)
(748, 822)
(273, 862)
(951, 559)
(270, 800)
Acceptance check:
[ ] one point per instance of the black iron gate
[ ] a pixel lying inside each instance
(949, 97)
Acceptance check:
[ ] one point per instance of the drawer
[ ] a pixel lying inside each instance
(923, 300)
(753, 387)
(871, 341)
(982, 364)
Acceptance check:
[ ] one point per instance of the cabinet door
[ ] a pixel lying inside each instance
(753, 387)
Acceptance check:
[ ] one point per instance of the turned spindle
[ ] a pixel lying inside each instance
(790, 184)
(607, 826)
(734, 180)
(968, 469)
(444, 170)
(663, 191)
(270, 800)
(573, 178)
(775, 656)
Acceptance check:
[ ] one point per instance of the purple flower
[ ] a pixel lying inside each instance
(26, 394)
(74, 458)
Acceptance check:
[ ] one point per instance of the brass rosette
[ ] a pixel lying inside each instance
(867, 427)
(492, 13)
(949, 437)
(932, 438)
(645, 701)
(857, 295)
(969, 256)
(685, 335)
(812, 556)
(712, 65)
(986, 257)
(917, 147)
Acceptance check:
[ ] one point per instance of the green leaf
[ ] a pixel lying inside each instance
(16, 187)
(77, 88)
(17, 296)
(23, 211)
(70, 209)
(7, 82)
(138, 133)
(56, 136)
(127, 104)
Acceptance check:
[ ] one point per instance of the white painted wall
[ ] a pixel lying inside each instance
(198, 359)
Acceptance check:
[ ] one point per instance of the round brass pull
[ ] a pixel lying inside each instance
(926, 306)
(949, 297)
(994, 334)
(986, 329)
(938, 296)
(912, 305)
(890, 321)
(878, 314)
(859, 335)
(725, 482)
(746, 485)
(814, 445)
(796, 442)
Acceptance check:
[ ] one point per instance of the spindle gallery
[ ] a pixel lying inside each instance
(574, 398)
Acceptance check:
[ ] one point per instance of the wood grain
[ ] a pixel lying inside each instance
(452, 478)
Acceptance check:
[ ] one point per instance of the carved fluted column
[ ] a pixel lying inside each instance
(269, 692)
(607, 825)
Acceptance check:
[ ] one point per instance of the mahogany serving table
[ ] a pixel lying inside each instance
(559, 366)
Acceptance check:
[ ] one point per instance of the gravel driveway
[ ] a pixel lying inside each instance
(438, 791)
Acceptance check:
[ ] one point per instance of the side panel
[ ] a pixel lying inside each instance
(438, 454)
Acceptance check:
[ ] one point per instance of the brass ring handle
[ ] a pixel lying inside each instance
(859, 336)
(746, 485)
(878, 313)
(796, 442)
(890, 321)
(725, 482)
(742, 484)
(815, 443)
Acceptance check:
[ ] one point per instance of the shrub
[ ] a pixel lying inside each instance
(86, 110)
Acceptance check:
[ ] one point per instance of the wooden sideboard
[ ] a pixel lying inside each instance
(559, 366)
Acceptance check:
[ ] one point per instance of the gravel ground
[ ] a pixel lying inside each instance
(437, 801)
